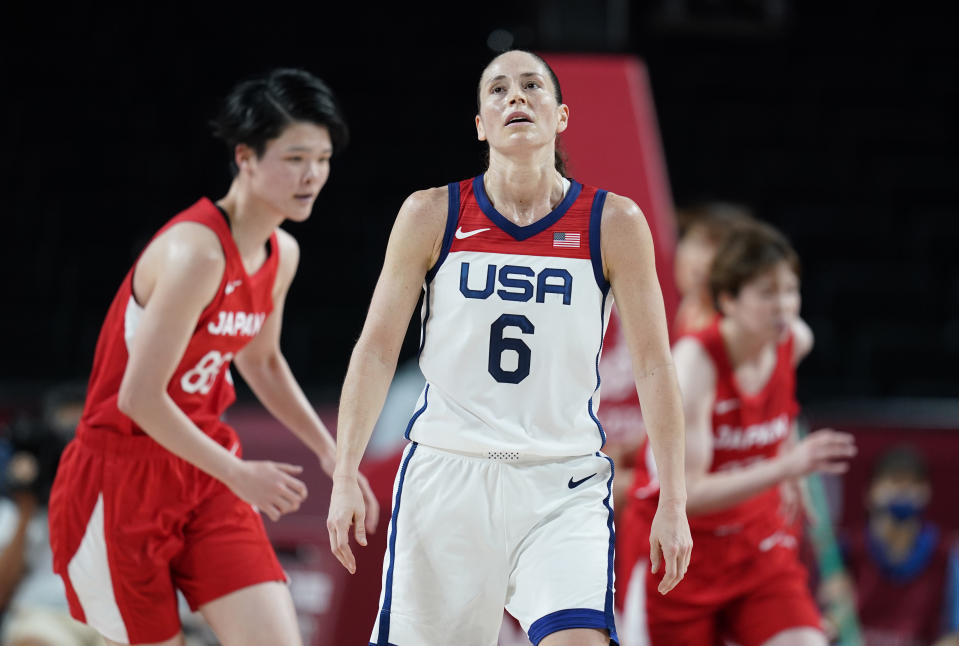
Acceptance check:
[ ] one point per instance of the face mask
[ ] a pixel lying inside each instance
(903, 508)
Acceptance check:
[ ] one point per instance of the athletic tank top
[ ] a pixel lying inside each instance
(746, 428)
(201, 385)
(512, 329)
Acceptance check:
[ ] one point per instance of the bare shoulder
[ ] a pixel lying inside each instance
(192, 239)
(694, 367)
(621, 212)
(690, 352)
(428, 206)
(625, 238)
(289, 250)
(186, 245)
(418, 230)
(803, 340)
(289, 247)
(287, 242)
(188, 254)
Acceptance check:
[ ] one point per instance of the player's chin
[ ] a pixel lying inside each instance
(300, 209)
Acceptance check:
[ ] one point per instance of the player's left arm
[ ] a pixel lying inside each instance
(266, 371)
(629, 265)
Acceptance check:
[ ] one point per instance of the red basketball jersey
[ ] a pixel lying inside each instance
(746, 428)
(201, 385)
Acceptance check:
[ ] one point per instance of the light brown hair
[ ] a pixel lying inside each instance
(747, 253)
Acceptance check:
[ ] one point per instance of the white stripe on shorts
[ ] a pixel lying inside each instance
(635, 630)
(89, 573)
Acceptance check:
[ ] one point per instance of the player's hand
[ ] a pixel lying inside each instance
(824, 451)
(269, 486)
(372, 505)
(796, 502)
(791, 500)
(347, 507)
(670, 544)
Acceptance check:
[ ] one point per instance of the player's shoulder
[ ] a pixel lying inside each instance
(289, 248)
(691, 350)
(695, 367)
(190, 244)
(621, 208)
(427, 203)
(623, 220)
(423, 214)
(803, 339)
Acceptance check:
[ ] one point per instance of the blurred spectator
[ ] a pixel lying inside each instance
(32, 597)
(903, 571)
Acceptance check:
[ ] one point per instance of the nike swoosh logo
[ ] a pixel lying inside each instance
(460, 234)
(575, 483)
(726, 406)
(232, 285)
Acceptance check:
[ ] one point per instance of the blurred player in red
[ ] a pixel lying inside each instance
(746, 584)
(702, 228)
(152, 496)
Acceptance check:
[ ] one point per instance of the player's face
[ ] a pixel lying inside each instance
(517, 104)
(694, 255)
(768, 304)
(292, 169)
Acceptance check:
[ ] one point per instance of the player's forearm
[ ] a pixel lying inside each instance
(710, 492)
(159, 416)
(663, 417)
(274, 385)
(361, 401)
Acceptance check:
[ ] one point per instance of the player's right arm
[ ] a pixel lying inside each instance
(414, 246)
(708, 492)
(175, 279)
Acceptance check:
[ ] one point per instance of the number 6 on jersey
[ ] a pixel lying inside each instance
(499, 344)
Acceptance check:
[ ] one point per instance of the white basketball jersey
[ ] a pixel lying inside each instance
(512, 329)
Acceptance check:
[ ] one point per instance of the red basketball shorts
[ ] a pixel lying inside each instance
(738, 589)
(130, 523)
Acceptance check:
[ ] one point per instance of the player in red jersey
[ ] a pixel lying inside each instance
(746, 584)
(702, 229)
(152, 495)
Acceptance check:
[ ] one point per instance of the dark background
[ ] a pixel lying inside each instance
(836, 126)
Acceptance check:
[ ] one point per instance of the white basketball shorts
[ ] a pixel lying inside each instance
(471, 535)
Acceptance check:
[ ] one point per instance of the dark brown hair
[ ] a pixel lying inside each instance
(716, 219)
(559, 157)
(902, 460)
(748, 252)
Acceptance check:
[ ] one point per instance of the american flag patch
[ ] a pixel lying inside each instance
(570, 240)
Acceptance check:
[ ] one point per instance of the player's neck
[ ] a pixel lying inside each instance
(523, 190)
(251, 223)
(695, 311)
(741, 346)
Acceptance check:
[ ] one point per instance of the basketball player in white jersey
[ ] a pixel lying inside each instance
(503, 497)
